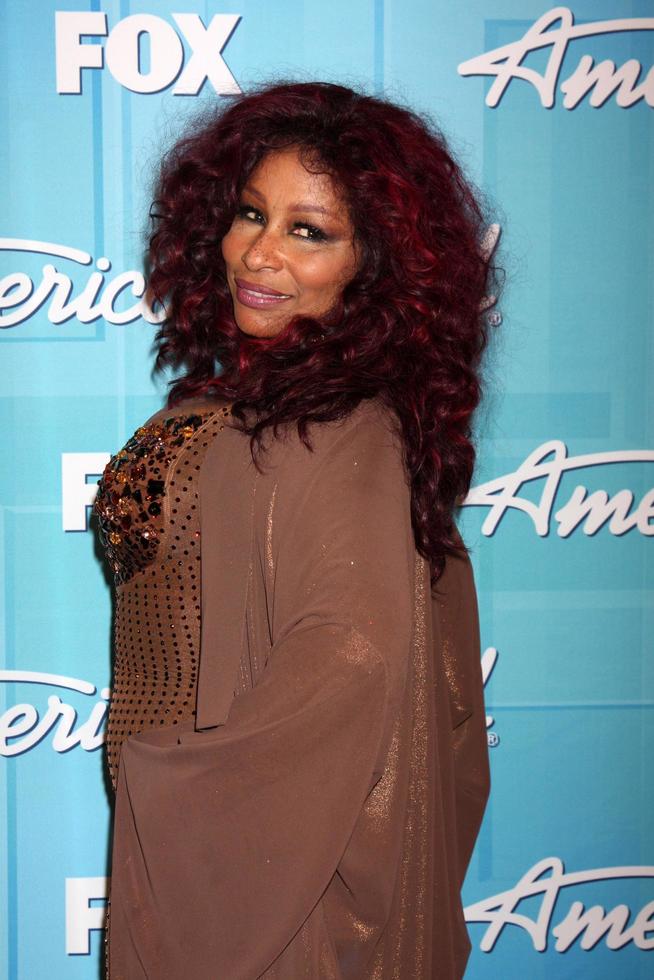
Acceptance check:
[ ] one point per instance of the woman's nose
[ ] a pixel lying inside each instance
(263, 252)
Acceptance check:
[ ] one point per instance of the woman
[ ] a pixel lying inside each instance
(297, 730)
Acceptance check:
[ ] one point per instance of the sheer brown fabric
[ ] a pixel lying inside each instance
(317, 817)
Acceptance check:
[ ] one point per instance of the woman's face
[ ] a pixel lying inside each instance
(290, 249)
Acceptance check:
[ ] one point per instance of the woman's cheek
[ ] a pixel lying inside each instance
(317, 273)
(230, 239)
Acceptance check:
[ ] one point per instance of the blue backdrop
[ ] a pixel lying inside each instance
(550, 110)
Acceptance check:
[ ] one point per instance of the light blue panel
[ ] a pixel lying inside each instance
(552, 799)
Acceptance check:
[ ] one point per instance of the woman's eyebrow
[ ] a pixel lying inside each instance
(300, 206)
(309, 207)
(249, 189)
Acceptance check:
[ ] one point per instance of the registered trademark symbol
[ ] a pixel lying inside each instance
(493, 739)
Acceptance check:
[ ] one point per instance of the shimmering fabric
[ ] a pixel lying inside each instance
(319, 826)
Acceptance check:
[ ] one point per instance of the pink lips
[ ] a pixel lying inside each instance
(255, 296)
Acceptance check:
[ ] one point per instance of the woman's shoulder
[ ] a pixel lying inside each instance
(371, 416)
(368, 437)
(370, 424)
(359, 453)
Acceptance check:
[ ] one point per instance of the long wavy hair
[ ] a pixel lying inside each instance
(409, 329)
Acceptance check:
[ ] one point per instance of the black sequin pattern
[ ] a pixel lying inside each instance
(148, 509)
(129, 498)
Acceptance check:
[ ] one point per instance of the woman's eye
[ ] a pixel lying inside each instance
(245, 211)
(248, 212)
(315, 234)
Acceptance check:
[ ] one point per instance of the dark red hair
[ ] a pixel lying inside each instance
(409, 328)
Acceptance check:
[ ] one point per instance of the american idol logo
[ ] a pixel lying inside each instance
(25, 725)
(549, 462)
(117, 297)
(548, 883)
(556, 30)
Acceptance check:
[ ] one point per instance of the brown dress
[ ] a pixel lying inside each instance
(314, 818)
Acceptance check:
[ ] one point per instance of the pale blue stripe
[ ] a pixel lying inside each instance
(378, 52)
(12, 842)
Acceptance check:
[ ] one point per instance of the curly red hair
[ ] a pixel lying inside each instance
(410, 328)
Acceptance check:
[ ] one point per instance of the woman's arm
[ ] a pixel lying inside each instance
(226, 839)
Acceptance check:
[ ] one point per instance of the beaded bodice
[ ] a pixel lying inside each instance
(148, 511)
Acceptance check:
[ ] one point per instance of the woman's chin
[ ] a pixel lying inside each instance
(260, 326)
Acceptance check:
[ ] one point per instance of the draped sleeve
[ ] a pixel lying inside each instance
(459, 655)
(225, 839)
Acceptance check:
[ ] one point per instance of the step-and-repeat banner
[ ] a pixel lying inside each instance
(550, 111)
